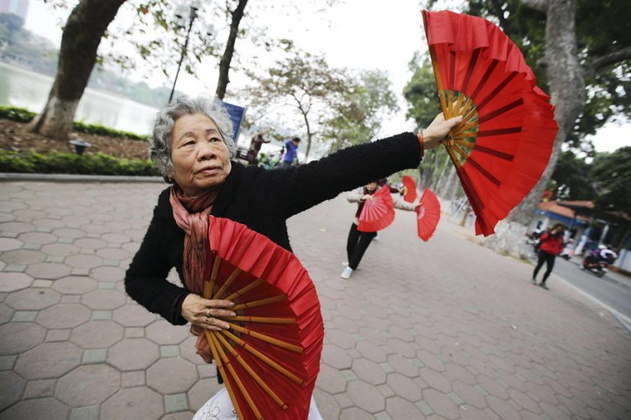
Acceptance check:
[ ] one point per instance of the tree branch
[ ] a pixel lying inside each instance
(615, 57)
(541, 5)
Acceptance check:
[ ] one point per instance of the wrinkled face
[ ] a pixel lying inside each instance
(201, 159)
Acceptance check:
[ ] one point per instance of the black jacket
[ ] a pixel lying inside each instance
(263, 200)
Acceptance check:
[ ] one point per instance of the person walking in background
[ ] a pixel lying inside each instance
(550, 245)
(291, 152)
(357, 242)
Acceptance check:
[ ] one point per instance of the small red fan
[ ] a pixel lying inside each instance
(270, 356)
(427, 215)
(504, 142)
(378, 212)
(410, 189)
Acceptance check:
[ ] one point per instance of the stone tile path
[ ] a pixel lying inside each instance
(443, 329)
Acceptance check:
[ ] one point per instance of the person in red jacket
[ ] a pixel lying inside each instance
(550, 245)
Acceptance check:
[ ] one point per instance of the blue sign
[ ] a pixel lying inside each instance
(237, 114)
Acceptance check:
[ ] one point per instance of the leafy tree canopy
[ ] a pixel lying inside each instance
(612, 173)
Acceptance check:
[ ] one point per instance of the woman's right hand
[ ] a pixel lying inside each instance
(204, 312)
(438, 130)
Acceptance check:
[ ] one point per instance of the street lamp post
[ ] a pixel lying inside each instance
(192, 16)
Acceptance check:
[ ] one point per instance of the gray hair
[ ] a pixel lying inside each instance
(165, 120)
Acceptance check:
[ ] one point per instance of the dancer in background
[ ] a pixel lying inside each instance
(357, 242)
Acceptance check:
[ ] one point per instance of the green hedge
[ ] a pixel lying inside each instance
(70, 163)
(24, 116)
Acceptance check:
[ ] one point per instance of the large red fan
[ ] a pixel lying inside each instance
(427, 214)
(505, 140)
(410, 189)
(377, 213)
(270, 356)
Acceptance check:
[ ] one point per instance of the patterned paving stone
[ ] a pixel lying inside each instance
(102, 299)
(23, 257)
(133, 354)
(41, 408)
(14, 281)
(161, 332)
(112, 254)
(133, 315)
(114, 274)
(33, 299)
(440, 403)
(336, 357)
(369, 371)
(6, 312)
(97, 334)
(331, 380)
(48, 360)
(15, 227)
(399, 408)
(355, 413)
(132, 404)
(20, 337)
(365, 396)
(469, 394)
(60, 250)
(40, 388)
(171, 376)
(50, 271)
(435, 380)
(84, 261)
(88, 385)
(12, 387)
(65, 315)
(403, 365)
(404, 387)
(75, 285)
(68, 233)
(372, 352)
(90, 243)
(9, 244)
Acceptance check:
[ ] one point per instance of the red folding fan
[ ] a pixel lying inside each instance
(378, 212)
(270, 357)
(410, 189)
(505, 139)
(427, 214)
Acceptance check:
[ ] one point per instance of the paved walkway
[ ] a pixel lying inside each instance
(444, 329)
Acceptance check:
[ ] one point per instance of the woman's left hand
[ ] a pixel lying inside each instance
(205, 312)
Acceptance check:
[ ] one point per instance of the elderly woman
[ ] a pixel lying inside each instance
(193, 149)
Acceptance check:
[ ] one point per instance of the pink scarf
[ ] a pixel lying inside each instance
(191, 215)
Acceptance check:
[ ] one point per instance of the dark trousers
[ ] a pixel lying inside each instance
(357, 244)
(544, 257)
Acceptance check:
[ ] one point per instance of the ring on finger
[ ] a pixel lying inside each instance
(208, 313)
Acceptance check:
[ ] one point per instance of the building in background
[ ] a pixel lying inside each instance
(17, 7)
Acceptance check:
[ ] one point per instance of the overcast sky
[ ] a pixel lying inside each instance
(371, 34)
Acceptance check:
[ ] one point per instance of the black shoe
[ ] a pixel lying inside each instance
(543, 285)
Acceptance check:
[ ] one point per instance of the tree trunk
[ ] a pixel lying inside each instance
(226, 58)
(82, 35)
(567, 91)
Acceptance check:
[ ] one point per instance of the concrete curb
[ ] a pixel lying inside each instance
(8, 176)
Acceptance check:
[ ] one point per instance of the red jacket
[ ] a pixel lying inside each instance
(550, 244)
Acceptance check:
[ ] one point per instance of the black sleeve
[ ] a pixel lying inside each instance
(146, 278)
(310, 184)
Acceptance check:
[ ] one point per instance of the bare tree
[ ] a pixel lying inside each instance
(82, 35)
(566, 80)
